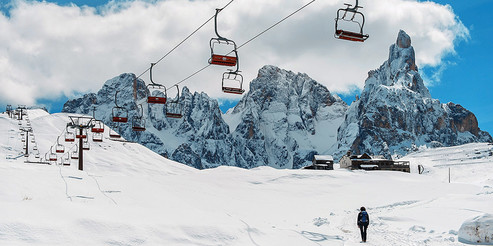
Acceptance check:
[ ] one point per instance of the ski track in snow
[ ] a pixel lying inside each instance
(189, 210)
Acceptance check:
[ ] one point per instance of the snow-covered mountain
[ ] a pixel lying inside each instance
(396, 113)
(286, 118)
(282, 121)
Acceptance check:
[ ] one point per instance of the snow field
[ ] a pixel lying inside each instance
(128, 195)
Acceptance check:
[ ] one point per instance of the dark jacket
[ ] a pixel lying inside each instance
(360, 216)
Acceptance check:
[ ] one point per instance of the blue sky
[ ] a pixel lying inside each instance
(465, 77)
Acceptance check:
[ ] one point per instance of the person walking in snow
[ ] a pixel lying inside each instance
(363, 222)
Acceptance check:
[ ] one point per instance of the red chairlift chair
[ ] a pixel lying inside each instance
(69, 136)
(223, 58)
(157, 92)
(173, 107)
(66, 161)
(75, 154)
(119, 114)
(232, 82)
(52, 156)
(60, 148)
(97, 137)
(138, 122)
(356, 17)
(98, 127)
(85, 145)
(113, 131)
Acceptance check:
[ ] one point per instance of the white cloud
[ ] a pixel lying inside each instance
(48, 50)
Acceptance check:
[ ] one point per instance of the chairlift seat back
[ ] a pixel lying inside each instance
(96, 129)
(223, 60)
(157, 100)
(174, 115)
(138, 128)
(120, 119)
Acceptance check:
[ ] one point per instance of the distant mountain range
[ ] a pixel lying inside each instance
(286, 118)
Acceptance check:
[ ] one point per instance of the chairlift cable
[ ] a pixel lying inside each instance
(256, 36)
(183, 41)
(277, 23)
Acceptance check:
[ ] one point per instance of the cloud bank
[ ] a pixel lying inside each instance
(48, 50)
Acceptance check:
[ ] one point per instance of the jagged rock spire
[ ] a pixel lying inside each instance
(396, 112)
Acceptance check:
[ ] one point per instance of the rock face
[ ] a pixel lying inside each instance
(290, 117)
(282, 122)
(396, 113)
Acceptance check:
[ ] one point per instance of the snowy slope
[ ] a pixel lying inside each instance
(128, 195)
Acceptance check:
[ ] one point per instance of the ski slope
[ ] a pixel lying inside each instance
(128, 195)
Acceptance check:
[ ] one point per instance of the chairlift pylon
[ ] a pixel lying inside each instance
(138, 122)
(157, 92)
(119, 114)
(342, 15)
(221, 58)
(173, 107)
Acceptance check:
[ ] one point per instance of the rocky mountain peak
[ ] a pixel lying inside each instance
(403, 40)
(396, 112)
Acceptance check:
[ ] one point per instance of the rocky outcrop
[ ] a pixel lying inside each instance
(396, 113)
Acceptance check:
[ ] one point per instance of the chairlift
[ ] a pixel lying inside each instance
(173, 107)
(75, 154)
(36, 155)
(232, 82)
(69, 136)
(119, 114)
(60, 148)
(350, 15)
(157, 92)
(97, 137)
(66, 161)
(83, 135)
(85, 145)
(98, 126)
(35, 147)
(114, 131)
(219, 42)
(52, 156)
(138, 122)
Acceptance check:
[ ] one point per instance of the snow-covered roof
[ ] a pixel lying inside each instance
(323, 157)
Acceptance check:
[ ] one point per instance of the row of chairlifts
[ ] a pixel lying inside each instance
(159, 94)
(232, 80)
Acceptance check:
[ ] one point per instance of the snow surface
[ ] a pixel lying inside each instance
(129, 195)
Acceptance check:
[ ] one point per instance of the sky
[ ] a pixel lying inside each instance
(51, 51)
